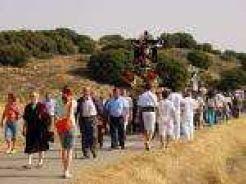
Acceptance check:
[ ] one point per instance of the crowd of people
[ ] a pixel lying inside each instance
(171, 115)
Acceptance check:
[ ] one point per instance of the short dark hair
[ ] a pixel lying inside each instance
(148, 86)
(12, 97)
(165, 93)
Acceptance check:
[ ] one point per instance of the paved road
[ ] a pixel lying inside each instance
(12, 172)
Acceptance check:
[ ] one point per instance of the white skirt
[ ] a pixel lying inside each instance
(149, 119)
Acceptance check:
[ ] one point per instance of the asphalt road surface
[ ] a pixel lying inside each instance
(12, 171)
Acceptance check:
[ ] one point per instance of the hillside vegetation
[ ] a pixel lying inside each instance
(216, 156)
(49, 59)
(48, 76)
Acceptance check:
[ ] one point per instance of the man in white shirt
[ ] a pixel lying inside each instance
(129, 102)
(87, 110)
(148, 104)
(176, 98)
(219, 104)
(166, 118)
(188, 105)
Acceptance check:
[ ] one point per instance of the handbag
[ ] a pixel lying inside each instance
(63, 125)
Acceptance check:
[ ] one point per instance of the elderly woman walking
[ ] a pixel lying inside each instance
(35, 129)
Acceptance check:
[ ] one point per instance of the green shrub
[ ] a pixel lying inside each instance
(109, 39)
(242, 58)
(199, 59)
(173, 74)
(13, 55)
(108, 66)
(178, 40)
(85, 44)
(206, 47)
(228, 55)
(232, 79)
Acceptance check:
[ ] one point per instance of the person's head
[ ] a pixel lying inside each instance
(11, 98)
(124, 92)
(188, 93)
(159, 93)
(34, 97)
(66, 95)
(116, 92)
(165, 94)
(148, 86)
(146, 33)
(87, 92)
(48, 96)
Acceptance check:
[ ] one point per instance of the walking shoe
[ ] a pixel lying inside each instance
(28, 166)
(147, 147)
(85, 157)
(13, 151)
(67, 175)
(40, 165)
(8, 151)
(94, 154)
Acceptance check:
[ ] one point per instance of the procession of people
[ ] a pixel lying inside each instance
(173, 116)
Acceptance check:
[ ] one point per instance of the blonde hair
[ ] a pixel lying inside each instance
(34, 94)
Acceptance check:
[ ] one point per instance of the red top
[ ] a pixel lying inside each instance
(11, 112)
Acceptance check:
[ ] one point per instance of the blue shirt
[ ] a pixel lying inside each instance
(116, 107)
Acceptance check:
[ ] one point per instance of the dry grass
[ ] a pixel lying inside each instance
(47, 75)
(217, 156)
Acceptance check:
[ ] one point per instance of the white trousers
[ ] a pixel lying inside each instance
(177, 127)
(149, 119)
(166, 129)
(188, 128)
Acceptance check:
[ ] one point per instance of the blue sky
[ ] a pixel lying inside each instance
(222, 22)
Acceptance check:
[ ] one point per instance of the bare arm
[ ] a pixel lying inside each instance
(3, 117)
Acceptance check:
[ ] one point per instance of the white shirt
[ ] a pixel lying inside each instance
(129, 101)
(219, 100)
(50, 105)
(166, 111)
(176, 98)
(89, 108)
(148, 99)
(199, 103)
(188, 105)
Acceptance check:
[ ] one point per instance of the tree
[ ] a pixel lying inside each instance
(173, 74)
(242, 58)
(228, 55)
(108, 42)
(68, 34)
(85, 44)
(178, 40)
(108, 66)
(13, 55)
(199, 59)
(206, 47)
(232, 79)
(109, 39)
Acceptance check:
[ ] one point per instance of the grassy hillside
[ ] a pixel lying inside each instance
(48, 75)
(216, 156)
(53, 74)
